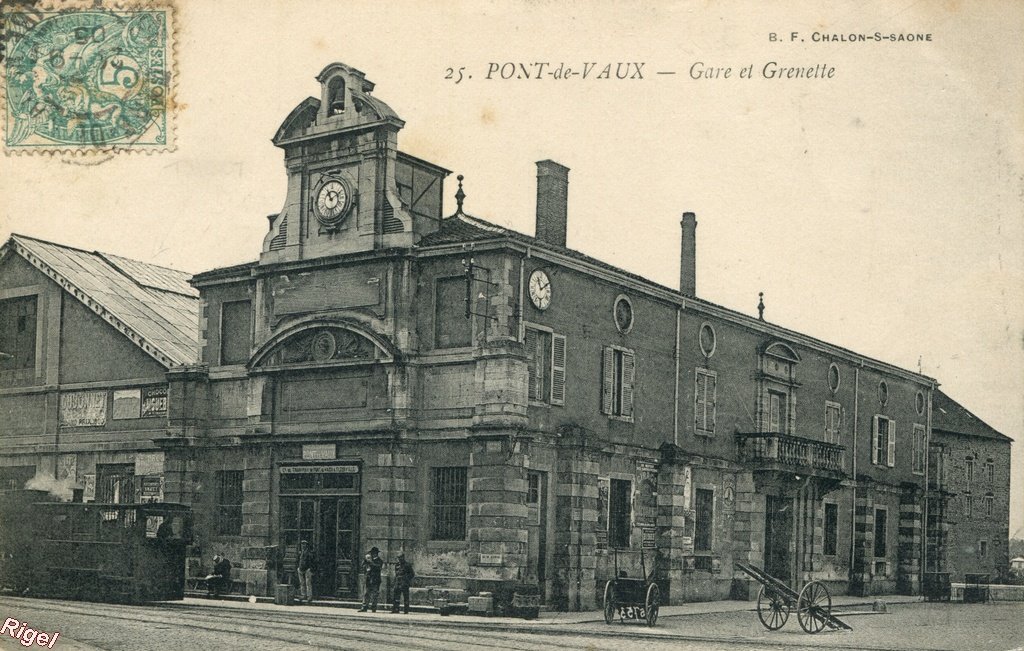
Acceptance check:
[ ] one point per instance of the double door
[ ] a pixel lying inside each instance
(331, 526)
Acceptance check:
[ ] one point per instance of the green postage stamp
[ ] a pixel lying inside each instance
(93, 77)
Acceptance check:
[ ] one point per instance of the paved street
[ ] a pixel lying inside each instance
(257, 627)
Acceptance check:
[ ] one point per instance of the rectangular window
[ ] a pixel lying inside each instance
(969, 504)
(883, 448)
(831, 529)
(969, 468)
(617, 387)
(532, 488)
(990, 503)
(983, 548)
(545, 363)
(777, 413)
(18, 333)
(833, 416)
(235, 332)
(451, 327)
(704, 521)
(229, 502)
(990, 471)
(620, 514)
(448, 503)
(919, 447)
(704, 400)
(880, 529)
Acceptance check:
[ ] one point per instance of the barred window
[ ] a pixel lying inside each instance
(229, 502)
(448, 504)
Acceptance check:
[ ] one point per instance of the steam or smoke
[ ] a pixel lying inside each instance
(60, 488)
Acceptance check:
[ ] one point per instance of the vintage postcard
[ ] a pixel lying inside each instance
(511, 324)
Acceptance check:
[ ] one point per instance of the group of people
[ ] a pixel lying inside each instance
(373, 564)
(372, 567)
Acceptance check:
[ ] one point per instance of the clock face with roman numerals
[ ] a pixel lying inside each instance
(332, 201)
(540, 289)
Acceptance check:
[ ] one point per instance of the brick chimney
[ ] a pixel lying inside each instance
(688, 255)
(552, 201)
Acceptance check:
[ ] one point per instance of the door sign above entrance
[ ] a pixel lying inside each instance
(310, 470)
(319, 452)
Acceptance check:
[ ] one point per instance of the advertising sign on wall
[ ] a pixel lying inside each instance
(83, 409)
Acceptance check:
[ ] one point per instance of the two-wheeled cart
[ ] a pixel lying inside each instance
(813, 604)
(631, 598)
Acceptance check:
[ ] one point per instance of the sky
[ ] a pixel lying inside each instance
(880, 208)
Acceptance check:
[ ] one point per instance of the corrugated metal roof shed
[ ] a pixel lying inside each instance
(153, 306)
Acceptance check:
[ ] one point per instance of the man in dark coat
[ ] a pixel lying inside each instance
(403, 580)
(220, 578)
(372, 565)
(307, 563)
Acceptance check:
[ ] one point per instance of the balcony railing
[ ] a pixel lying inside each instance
(791, 451)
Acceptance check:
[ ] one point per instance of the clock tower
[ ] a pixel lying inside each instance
(349, 188)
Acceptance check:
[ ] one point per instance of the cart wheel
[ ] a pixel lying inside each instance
(609, 603)
(814, 607)
(651, 603)
(772, 610)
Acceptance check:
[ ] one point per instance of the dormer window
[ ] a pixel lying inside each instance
(336, 96)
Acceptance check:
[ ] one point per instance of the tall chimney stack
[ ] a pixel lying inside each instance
(688, 255)
(552, 201)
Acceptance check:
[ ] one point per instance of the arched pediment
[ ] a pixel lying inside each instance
(781, 351)
(318, 342)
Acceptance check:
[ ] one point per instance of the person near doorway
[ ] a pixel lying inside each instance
(372, 565)
(403, 581)
(307, 563)
(220, 578)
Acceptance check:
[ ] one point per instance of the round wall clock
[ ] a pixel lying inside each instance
(540, 289)
(332, 201)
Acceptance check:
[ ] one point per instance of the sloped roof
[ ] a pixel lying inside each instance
(949, 415)
(153, 306)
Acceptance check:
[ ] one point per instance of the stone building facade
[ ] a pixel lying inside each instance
(506, 410)
(969, 495)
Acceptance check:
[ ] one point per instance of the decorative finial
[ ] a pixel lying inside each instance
(760, 305)
(460, 196)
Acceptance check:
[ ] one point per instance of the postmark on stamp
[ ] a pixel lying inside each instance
(88, 78)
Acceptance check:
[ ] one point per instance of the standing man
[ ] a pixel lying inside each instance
(403, 580)
(307, 563)
(372, 565)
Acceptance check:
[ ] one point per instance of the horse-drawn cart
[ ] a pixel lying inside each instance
(813, 604)
(631, 598)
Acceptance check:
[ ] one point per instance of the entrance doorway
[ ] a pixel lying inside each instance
(536, 526)
(320, 504)
(778, 532)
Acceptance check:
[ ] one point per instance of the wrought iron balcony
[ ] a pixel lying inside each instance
(775, 451)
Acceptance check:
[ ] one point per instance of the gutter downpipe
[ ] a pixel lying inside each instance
(853, 465)
(675, 397)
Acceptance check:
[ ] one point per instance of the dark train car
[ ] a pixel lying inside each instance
(19, 551)
(125, 553)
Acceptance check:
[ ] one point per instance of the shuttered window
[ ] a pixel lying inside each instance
(545, 361)
(618, 374)
(919, 439)
(704, 401)
(833, 416)
(883, 448)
